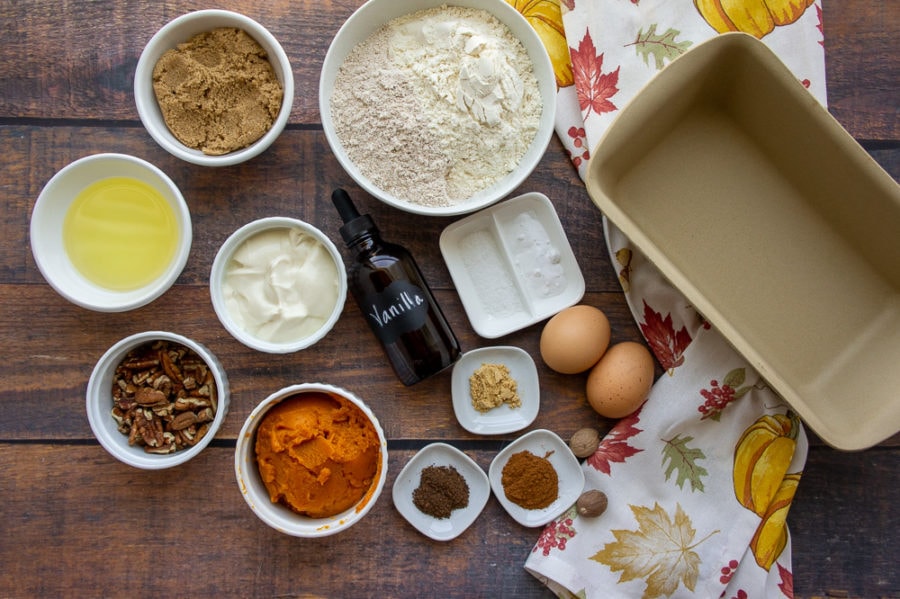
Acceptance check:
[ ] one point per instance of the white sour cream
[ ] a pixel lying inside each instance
(281, 285)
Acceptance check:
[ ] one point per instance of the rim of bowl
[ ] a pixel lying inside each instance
(50, 210)
(217, 277)
(103, 425)
(179, 30)
(255, 494)
(376, 13)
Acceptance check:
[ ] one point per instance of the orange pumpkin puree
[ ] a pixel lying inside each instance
(317, 454)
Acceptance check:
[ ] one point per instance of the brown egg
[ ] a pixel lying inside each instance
(575, 339)
(621, 380)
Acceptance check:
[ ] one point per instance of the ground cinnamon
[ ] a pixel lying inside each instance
(441, 490)
(530, 481)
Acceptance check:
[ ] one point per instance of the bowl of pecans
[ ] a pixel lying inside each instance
(156, 399)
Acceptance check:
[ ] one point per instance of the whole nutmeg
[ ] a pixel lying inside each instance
(584, 442)
(591, 503)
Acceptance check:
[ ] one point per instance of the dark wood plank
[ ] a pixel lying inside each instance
(862, 89)
(76, 522)
(54, 67)
(844, 524)
(137, 533)
(48, 364)
(295, 177)
(104, 529)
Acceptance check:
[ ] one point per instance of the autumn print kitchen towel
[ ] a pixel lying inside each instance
(701, 478)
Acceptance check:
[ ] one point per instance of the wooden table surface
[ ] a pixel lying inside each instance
(76, 522)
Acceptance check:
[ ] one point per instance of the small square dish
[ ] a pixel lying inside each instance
(776, 224)
(512, 265)
(545, 444)
(409, 479)
(503, 418)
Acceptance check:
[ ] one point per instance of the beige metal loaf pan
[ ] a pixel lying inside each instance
(767, 215)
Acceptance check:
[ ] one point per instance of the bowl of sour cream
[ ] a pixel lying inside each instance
(278, 284)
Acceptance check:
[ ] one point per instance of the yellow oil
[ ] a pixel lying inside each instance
(120, 233)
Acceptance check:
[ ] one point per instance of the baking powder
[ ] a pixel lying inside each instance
(437, 105)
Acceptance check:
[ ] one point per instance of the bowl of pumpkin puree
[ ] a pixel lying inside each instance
(311, 460)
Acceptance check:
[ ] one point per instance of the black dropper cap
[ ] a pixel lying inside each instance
(354, 224)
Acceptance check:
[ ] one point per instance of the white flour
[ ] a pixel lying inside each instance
(437, 105)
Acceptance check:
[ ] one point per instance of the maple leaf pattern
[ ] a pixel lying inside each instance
(614, 447)
(595, 88)
(660, 552)
(684, 459)
(668, 345)
(659, 46)
(819, 26)
(787, 581)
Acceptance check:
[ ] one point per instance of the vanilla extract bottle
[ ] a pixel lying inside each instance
(394, 298)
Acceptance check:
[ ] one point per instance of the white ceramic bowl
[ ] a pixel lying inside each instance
(49, 214)
(542, 443)
(376, 13)
(219, 275)
(180, 30)
(512, 265)
(99, 403)
(279, 516)
(503, 418)
(409, 479)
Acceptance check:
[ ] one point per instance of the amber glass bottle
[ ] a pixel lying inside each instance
(395, 299)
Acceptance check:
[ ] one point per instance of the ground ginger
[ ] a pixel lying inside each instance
(491, 386)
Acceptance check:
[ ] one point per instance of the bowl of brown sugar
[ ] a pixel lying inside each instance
(214, 87)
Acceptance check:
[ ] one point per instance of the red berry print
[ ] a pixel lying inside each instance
(579, 141)
(728, 572)
(556, 535)
(719, 395)
(716, 399)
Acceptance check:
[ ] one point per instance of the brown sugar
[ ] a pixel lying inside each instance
(217, 92)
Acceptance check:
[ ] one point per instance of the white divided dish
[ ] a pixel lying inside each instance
(441, 454)
(542, 443)
(512, 265)
(503, 418)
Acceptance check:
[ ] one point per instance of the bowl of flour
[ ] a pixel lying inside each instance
(437, 109)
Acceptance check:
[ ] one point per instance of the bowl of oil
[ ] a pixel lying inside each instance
(110, 232)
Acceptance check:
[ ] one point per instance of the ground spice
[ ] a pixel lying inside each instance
(217, 92)
(441, 490)
(492, 386)
(530, 481)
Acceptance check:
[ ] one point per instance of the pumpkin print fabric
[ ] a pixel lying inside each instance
(701, 478)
